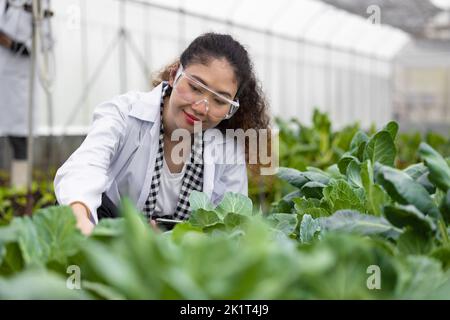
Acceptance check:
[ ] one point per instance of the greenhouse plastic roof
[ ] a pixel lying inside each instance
(308, 20)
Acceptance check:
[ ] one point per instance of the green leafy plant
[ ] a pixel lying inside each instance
(352, 212)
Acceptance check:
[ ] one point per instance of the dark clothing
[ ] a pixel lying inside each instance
(19, 147)
(107, 209)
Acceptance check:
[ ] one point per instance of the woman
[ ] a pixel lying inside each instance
(131, 151)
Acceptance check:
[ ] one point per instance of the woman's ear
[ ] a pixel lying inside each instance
(171, 76)
(172, 73)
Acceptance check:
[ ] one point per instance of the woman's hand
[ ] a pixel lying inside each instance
(82, 214)
(5, 41)
(152, 222)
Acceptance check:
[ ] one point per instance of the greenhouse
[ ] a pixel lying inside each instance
(238, 150)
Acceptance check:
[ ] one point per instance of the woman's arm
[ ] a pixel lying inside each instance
(82, 179)
(83, 217)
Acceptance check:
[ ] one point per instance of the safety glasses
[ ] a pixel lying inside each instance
(195, 92)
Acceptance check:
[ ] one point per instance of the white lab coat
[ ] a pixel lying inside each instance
(15, 69)
(119, 153)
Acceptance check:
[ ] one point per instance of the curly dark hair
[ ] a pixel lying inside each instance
(253, 110)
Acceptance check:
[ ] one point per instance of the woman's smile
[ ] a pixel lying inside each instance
(190, 119)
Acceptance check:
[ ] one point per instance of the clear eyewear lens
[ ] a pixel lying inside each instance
(205, 103)
(194, 91)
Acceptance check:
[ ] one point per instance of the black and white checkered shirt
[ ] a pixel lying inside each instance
(192, 179)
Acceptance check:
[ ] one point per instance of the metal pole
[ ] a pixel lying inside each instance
(46, 84)
(122, 48)
(30, 142)
(84, 53)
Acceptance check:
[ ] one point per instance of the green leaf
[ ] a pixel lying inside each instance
(316, 175)
(108, 228)
(308, 229)
(353, 173)
(376, 196)
(439, 169)
(314, 207)
(2, 253)
(344, 162)
(200, 200)
(415, 243)
(392, 128)
(135, 224)
(283, 206)
(367, 175)
(124, 256)
(181, 229)
(50, 235)
(381, 148)
(419, 172)
(103, 291)
(285, 223)
(313, 189)
(377, 199)
(359, 153)
(443, 255)
(333, 172)
(408, 216)
(298, 178)
(38, 284)
(317, 212)
(292, 176)
(291, 195)
(415, 171)
(235, 203)
(303, 203)
(203, 218)
(425, 182)
(359, 138)
(354, 222)
(340, 195)
(8, 234)
(405, 190)
(217, 229)
(233, 220)
(445, 207)
(422, 278)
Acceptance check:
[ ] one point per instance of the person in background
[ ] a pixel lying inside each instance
(15, 50)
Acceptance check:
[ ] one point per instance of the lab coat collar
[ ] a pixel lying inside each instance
(147, 108)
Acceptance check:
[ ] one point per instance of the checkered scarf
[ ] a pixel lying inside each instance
(193, 176)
